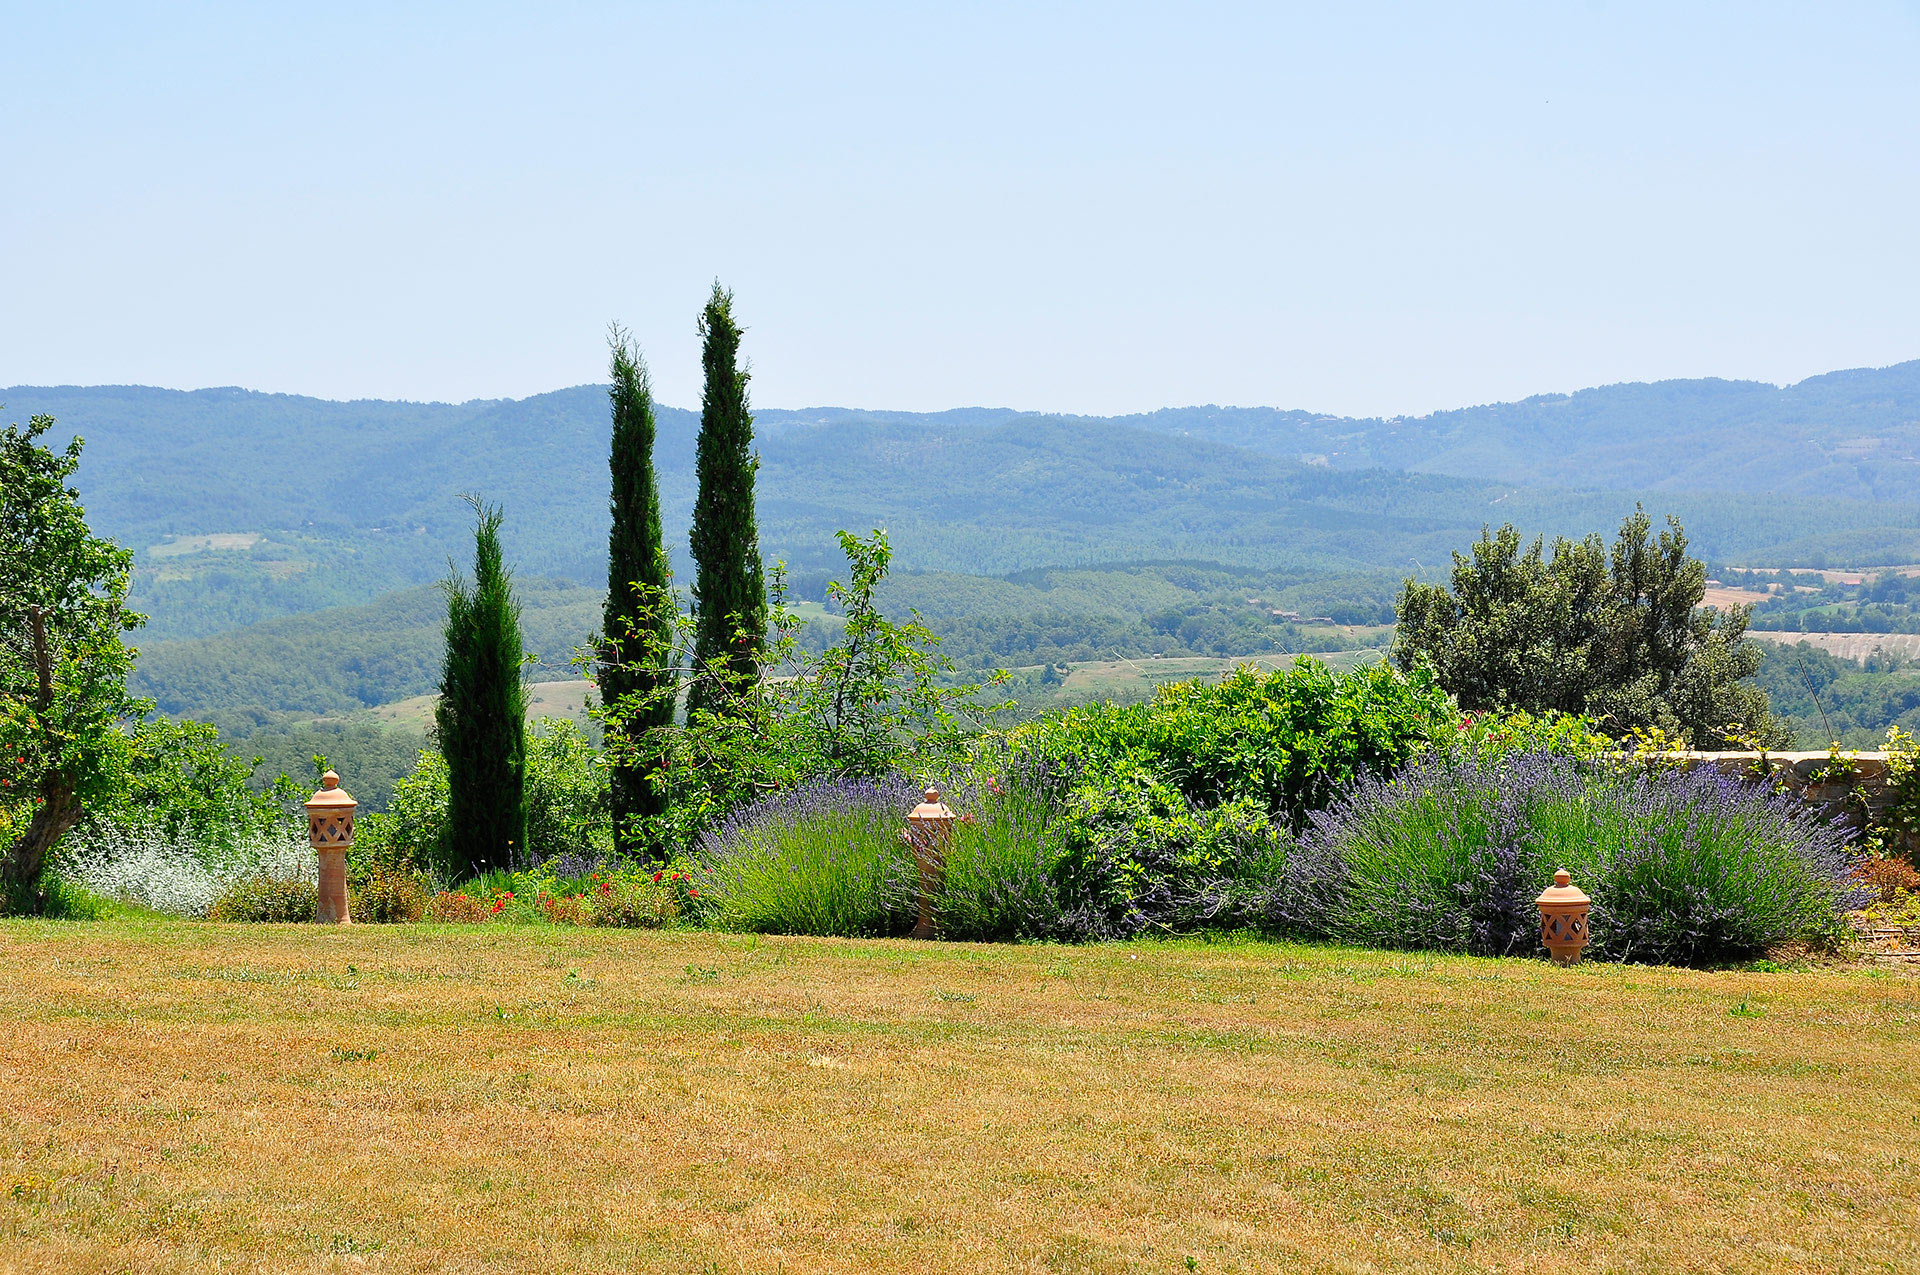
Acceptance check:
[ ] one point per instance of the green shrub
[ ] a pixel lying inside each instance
(406, 835)
(1290, 740)
(267, 899)
(1143, 857)
(1902, 818)
(188, 787)
(1497, 734)
(566, 807)
(627, 903)
(567, 778)
(391, 895)
(1168, 809)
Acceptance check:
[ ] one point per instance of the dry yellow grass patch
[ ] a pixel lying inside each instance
(186, 1097)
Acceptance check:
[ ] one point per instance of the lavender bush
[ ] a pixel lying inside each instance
(999, 880)
(823, 857)
(1684, 868)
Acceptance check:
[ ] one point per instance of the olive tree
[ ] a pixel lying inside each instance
(1620, 636)
(64, 706)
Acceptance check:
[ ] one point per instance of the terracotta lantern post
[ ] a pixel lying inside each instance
(930, 833)
(330, 831)
(1563, 918)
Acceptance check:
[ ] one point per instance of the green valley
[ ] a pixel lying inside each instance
(287, 548)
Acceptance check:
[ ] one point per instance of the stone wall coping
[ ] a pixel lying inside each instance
(1804, 766)
(1787, 756)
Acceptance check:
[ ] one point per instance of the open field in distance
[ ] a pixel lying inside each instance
(1133, 679)
(221, 541)
(1091, 679)
(1847, 646)
(566, 699)
(1725, 598)
(178, 1097)
(1843, 575)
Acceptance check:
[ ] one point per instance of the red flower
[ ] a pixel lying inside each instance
(656, 878)
(693, 893)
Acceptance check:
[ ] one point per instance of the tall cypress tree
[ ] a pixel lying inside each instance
(638, 621)
(730, 588)
(482, 717)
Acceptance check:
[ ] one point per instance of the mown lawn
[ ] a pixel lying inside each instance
(182, 1097)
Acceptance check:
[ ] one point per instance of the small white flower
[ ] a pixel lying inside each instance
(143, 866)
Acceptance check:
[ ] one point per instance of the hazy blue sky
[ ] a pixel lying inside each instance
(1099, 208)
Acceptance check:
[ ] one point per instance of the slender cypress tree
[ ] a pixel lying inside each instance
(482, 717)
(638, 623)
(730, 588)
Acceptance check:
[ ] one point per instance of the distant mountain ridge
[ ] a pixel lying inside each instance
(344, 501)
(1853, 434)
(1850, 434)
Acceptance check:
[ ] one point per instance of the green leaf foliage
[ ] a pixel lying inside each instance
(567, 814)
(267, 899)
(1621, 638)
(1288, 740)
(1168, 803)
(186, 784)
(64, 704)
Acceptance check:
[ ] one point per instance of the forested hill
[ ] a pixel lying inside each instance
(245, 506)
(1852, 434)
(162, 460)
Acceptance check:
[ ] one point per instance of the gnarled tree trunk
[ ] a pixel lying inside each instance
(58, 811)
(27, 858)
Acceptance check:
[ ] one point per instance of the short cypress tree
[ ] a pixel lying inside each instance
(482, 716)
(730, 588)
(636, 652)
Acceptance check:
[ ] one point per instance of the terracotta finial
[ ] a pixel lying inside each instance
(1563, 918)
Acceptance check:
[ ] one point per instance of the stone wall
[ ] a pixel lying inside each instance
(1863, 795)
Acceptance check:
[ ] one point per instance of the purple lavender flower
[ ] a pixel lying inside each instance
(1686, 868)
(822, 857)
(575, 864)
